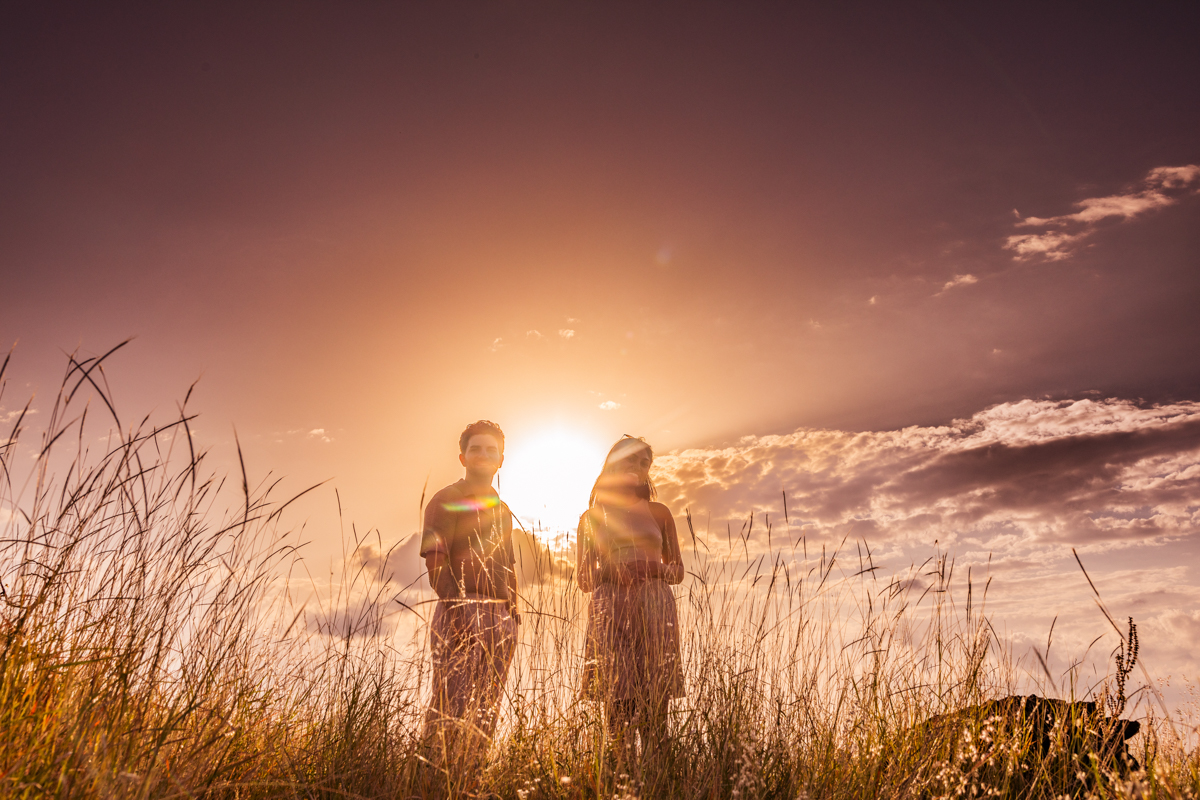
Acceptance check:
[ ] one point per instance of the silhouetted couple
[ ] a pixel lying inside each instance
(628, 553)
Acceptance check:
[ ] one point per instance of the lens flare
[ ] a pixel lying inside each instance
(472, 504)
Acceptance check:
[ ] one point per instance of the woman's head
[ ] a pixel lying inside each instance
(626, 471)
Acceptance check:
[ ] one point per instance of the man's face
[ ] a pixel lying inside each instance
(482, 457)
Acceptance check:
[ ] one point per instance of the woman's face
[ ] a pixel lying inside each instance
(630, 470)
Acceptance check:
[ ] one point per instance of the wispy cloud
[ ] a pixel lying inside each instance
(566, 333)
(312, 433)
(610, 405)
(1029, 473)
(9, 416)
(958, 280)
(1162, 187)
(534, 335)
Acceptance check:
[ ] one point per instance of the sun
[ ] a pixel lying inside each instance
(546, 480)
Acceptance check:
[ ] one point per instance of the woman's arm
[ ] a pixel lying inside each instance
(672, 568)
(585, 555)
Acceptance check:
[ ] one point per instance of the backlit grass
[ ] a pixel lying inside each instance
(154, 642)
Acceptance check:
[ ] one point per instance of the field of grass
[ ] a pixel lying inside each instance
(153, 644)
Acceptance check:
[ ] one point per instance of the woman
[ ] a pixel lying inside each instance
(628, 553)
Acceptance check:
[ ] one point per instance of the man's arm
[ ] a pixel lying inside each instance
(440, 577)
(435, 537)
(512, 564)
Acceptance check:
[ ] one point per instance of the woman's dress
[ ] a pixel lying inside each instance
(632, 647)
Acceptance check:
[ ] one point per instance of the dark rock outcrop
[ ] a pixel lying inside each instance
(1105, 736)
(1019, 741)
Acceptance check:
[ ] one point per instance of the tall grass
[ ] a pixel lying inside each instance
(154, 643)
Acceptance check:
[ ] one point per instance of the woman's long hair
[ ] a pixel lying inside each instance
(626, 445)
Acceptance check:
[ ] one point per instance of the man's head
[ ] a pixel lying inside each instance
(481, 449)
(482, 426)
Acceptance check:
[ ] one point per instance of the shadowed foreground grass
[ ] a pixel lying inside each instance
(151, 645)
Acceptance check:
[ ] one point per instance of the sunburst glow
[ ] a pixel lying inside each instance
(546, 479)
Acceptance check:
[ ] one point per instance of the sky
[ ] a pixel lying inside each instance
(929, 271)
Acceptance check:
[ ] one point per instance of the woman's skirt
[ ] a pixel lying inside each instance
(632, 648)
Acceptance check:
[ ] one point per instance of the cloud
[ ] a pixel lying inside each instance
(400, 564)
(362, 618)
(1027, 474)
(402, 567)
(1053, 246)
(497, 343)
(1176, 631)
(610, 405)
(1005, 494)
(7, 417)
(566, 333)
(534, 335)
(1162, 187)
(319, 433)
(537, 563)
(957, 280)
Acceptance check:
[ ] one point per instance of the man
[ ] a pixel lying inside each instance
(468, 552)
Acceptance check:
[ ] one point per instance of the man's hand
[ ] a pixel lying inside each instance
(440, 576)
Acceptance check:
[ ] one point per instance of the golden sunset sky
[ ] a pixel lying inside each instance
(930, 271)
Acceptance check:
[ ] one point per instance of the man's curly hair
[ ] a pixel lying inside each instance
(476, 428)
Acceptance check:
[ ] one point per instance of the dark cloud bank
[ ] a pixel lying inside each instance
(1085, 472)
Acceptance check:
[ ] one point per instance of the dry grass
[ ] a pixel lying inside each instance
(150, 646)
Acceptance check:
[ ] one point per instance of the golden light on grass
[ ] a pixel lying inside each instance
(150, 646)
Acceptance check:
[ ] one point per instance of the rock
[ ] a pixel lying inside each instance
(1060, 742)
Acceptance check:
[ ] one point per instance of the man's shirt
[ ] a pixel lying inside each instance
(474, 533)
